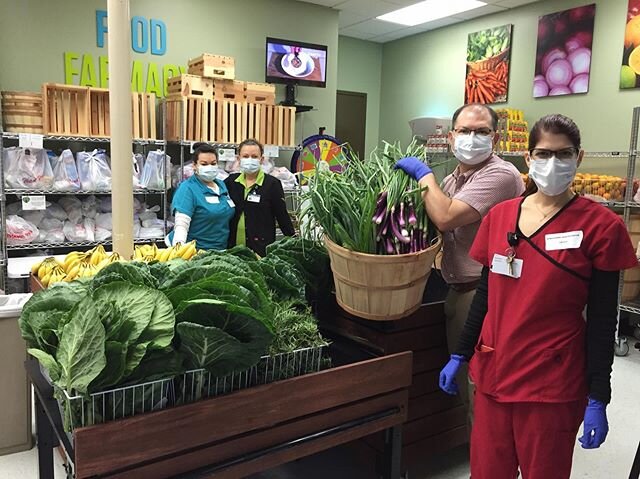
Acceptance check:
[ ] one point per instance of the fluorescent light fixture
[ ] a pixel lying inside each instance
(428, 11)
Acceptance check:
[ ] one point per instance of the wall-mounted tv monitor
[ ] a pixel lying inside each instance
(298, 63)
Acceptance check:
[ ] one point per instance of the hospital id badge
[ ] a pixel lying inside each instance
(214, 200)
(500, 265)
(562, 241)
(253, 198)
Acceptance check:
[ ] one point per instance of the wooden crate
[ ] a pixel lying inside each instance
(190, 85)
(260, 93)
(22, 112)
(213, 66)
(100, 118)
(230, 90)
(66, 110)
(143, 109)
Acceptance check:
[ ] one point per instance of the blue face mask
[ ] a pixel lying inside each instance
(207, 172)
(249, 165)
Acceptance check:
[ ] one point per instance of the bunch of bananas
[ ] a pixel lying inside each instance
(96, 255)
(83, 269)
(153, 253)
(49, 271)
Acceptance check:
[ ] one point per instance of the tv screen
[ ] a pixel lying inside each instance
(296, 62)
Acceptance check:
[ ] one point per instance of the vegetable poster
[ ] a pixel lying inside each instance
(488, 55)
(630, 72)
(563, 57)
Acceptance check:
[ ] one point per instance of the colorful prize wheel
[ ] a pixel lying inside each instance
(318, 151)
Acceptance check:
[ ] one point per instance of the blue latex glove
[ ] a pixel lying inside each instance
(448, 374)
(596, 426)
(413, 167)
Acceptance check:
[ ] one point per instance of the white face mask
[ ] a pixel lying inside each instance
(553, 176)
(473, 149)
(249, 165)
(207, 172)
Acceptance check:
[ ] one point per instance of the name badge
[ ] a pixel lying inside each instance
(500, 265)
(231, 203)
(214, 200)
(253, 198)
(560, 241)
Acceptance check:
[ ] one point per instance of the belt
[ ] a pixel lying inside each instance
(464, 287)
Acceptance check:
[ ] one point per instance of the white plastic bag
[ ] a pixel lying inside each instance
(94, 170)
(90, 228)
(14, 208)
(153, 173)
(34, 216)
(90, 207)
(287, 178)
(104, 204)
(65, 173)
(20, 231)
(104, 220)
(30, 168)
(136, 229)
(75, 231)
(151, 223)
(138, 165)
(102, 234)
(149, 233)
(73, 207)
(54, 210)
(267, 166)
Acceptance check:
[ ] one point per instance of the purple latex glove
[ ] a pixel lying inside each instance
(413, 167)
(596, 426)
(448, 374)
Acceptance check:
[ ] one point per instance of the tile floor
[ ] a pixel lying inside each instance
(612, 460)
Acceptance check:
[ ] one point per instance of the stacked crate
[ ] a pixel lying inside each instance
(22, 112)
(209, 104)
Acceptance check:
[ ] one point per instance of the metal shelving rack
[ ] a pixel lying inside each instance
(6, 248)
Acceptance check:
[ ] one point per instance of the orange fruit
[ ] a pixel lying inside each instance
(634, 59)
(632, 32)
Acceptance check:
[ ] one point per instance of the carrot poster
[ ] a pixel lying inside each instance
(630, 72)
(563, 59)
(488, 55)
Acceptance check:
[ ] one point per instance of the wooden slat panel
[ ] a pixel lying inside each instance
(204, 125)
(226, 450)
(152, 116)
(429, 359)
(219, 126)
(197, 128)
(212, 120)
(292, 126)
(46, 121)
(281, 112)
(144, 115)
(424, 383)
(135, 108)
(431, 403)
(244, 131)
(197, 424)
(232, 122)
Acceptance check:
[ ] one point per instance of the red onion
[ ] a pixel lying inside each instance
(585, 39)
(580, 60)
(559, 73)
(550, 57)
(561, 90)
(580, 83)
(539, 77)
(540, 88)
(572, 44)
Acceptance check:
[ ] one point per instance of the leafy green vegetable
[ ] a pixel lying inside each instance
(221, 337)
(49, 362)
(295, 328)
(116, 361)
(134, 272)
(487, 43)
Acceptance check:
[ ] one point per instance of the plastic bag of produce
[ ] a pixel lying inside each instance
(14, 208)
(90, 228)
(136, 229)
(51, 236)
(94, 170)
(287, 178)
(138, 165)
(104, 220)
(153, 173)
(34, 216)
(151, 223)
(149, 214)
(267, 166)
(187, 172)
(149, 233)
(102, 234)
(20, 231)
(51, 224)
(73, 207)
(54, 210)
(90, 207)
(65, 173)
(28, 168)
(104, 204)
(76, 231)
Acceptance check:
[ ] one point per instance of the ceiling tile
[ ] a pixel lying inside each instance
(479, 12)
(404, 3)
(388, 37)
(369, 8)
(514, 3)
(346, 19)
(374, 28)
(442, 22)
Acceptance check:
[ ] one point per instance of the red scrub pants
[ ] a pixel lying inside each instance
(537, 437)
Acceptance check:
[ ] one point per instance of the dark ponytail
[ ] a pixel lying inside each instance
(558, 125)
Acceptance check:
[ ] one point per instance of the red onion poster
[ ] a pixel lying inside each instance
(630, 72)
(563, 59)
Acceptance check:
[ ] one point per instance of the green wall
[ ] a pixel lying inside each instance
(423, 75)
(360, 70)
(35, 33)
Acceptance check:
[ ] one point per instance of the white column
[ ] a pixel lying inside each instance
(119, 43)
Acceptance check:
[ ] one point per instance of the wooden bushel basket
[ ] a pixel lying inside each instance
(380, 287)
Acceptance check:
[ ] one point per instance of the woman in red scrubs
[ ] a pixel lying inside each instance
(540, 368)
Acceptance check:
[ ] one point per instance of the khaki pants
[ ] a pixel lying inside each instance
(456, 310)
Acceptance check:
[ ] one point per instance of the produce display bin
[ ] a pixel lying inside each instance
(15, 394)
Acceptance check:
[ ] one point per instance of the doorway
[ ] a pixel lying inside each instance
(351, 119)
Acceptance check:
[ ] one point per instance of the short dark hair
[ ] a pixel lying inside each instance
(491, 111)
(251, 142)
(556, 124)
(202, 148)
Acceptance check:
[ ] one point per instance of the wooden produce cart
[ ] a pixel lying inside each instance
(243, 432)
(436, 422)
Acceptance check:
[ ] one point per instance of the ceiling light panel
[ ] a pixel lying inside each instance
(429, 10)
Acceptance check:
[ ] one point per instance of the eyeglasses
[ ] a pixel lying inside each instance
(543, 154)
(477, 131)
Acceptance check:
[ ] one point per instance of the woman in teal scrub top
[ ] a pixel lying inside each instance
(202, 206)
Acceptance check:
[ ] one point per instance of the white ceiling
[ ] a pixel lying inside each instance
(358, 17)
